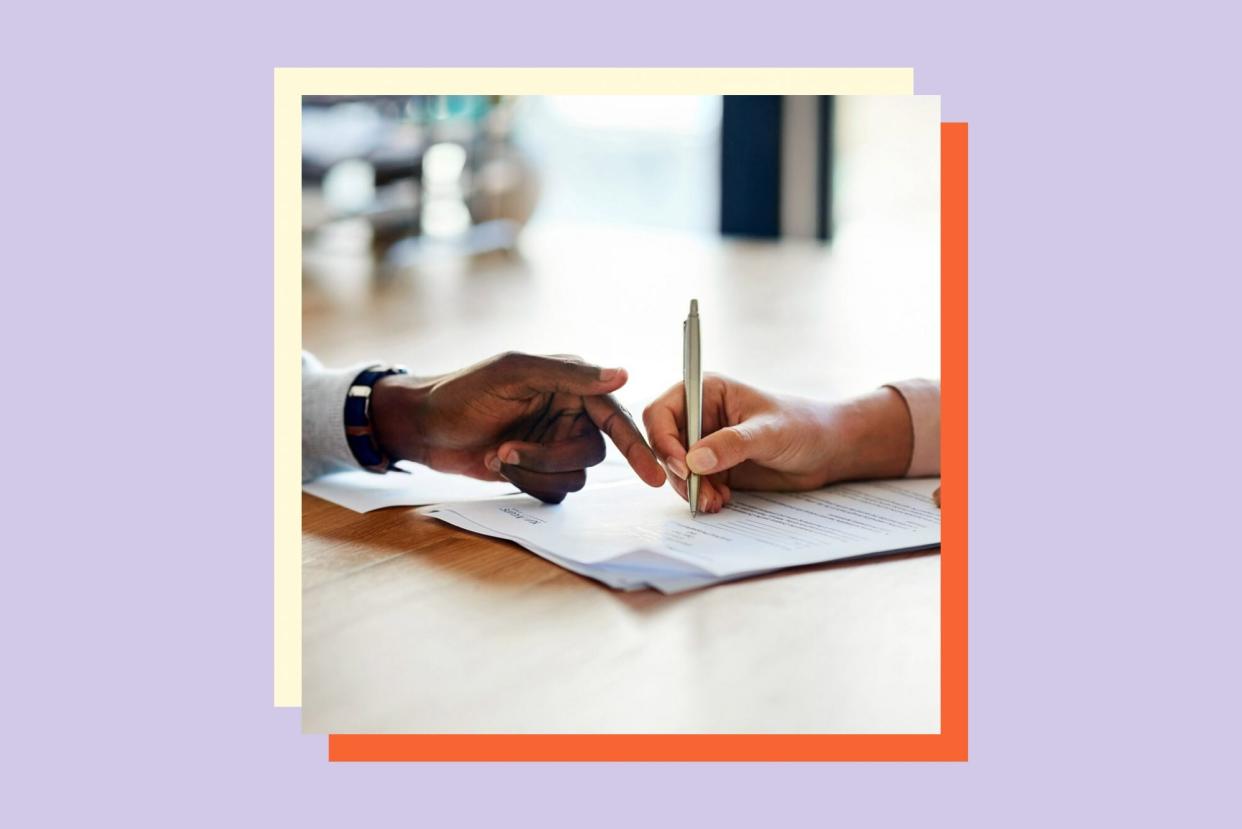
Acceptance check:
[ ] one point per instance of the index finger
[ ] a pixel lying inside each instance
(664, 419)
(614, 421)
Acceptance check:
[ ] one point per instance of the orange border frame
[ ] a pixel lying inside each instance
(949, 744)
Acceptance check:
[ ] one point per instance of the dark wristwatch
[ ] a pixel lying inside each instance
(358, 431)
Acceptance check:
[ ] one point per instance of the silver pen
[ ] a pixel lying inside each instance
(693, 378)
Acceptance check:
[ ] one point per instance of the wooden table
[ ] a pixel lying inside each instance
(413, 626)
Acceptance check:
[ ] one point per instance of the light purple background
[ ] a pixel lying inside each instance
(137, 216)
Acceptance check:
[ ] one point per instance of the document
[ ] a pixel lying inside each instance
(363, 491)
(631, 536)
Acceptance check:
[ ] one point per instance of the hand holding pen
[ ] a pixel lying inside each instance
(755, 440)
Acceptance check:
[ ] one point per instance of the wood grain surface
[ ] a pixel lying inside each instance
(410, 625)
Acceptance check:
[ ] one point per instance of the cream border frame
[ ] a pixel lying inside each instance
(290, 84)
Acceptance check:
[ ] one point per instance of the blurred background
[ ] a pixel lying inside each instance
(438, 230)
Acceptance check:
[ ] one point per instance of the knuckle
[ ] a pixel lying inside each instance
(579, 369)
(614, 409)
(511, 359)
(730, 443)
(740, 434)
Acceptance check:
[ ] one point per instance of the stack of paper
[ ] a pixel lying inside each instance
(630, 536)
(363, 491)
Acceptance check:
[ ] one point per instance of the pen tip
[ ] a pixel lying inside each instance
(694, 306)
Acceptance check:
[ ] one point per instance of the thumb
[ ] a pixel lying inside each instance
(566, 375)
(727, 448)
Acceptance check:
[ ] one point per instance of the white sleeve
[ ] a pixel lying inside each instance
(324, 448)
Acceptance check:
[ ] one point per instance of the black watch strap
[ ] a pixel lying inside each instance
(358, 432)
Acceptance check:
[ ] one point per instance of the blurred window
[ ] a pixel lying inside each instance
(638, 160)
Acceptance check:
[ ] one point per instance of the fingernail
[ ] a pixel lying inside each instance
(678, 468)
(701, 460)
(703, 501)
(493, 463)
(511, 457)
(607, 374)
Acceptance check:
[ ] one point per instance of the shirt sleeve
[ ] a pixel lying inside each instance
(923, 400)
(324, 448)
